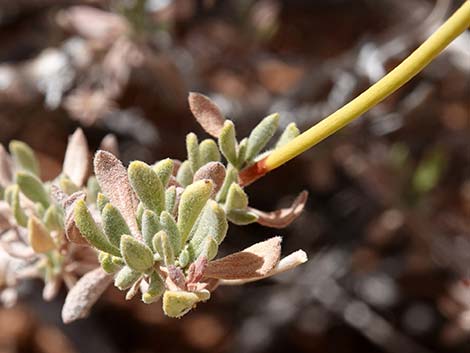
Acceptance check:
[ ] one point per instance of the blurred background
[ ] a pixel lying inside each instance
(387, 224)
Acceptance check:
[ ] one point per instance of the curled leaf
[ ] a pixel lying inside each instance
(76, 160)
(256, 261)
(84, 294)
(283, 217)
(207, 113)
(112, 177)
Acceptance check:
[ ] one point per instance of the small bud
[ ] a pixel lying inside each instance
(185, 174)
(126, 277)
(147, 186)
(150, 226)
(261, 135)
(290, 132)
(164, 170)
(161, 243)
(193, 200)
(137, 255)
(178, 303)
(114, 225)
(90, 230)
(32, 188)
(209, 151)
(39, 238)
(155, 289)
(101, 201)
(236, 198)
(24, 157)
(228, 142)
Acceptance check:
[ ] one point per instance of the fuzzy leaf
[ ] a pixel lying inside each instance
(283, 217)
(241, 153)
(164, 170)
(54, 218)
(150, 226)
(161, 243)
(192, 148)
(101, 201)
(256, 261)
(209, 248)
(209, 152)
(114, 225)
(236, 198)
(147, 186)
(90, 230)
(107, 263)
(84, 294)
(32, 188)
(212, 223)
(155, 289)
(23, 157)
(228, 142)
(93, 188)
(290, 132)
(170, 227)
(68, 203)
(136, 254)
(261, 135)
(112, 177)
(67, 185)
(178, 303)
(126, 277)
(192, 202)
(241, 217)
(12, 196)
(185, 174)
(39, 238)
(231, 176)
(207, 113)
(76, 160)
(170, 199)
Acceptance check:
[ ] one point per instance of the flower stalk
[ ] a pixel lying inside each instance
(375, 94)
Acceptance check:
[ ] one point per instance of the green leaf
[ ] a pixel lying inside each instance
(261, 135)
(208, 152)
(231, 176)
(209, 248)
(185, 174)
(67, 185)
(90, 230)
(161, 243)
(178, 303)
(170, 199)
(164, 169)
(150, 226)
(228, 142)
(184, 258)
(193, 200)
(290, 132)
(241, 217)
(212, 223)
(169, 225)
(147, 186)
(137, 255)
(24, 157)
(114, 224)
(12, 196)
(106, 261)
(241, 153)
(155, 289)
(101, 201)
(54, 218)
(32, 188)
(126, 277)
(236, 198)
(192, 148)
(93, 188)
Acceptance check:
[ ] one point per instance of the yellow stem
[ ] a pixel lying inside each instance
(411, 66)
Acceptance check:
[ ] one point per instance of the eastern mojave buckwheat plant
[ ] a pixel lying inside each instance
(153, 228)
(156, 229)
